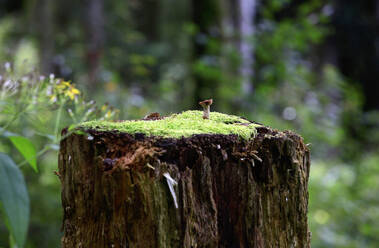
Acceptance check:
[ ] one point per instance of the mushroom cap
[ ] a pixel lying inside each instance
(206, 102)
(152, 116)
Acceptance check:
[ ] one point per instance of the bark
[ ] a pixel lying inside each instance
(230, 192)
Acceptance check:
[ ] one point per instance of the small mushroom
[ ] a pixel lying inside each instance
(206, 107)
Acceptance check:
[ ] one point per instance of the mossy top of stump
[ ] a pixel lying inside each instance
(184, 124)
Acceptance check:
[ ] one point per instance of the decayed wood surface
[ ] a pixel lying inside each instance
(230, 192)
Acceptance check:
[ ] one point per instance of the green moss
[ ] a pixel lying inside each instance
(177, 125)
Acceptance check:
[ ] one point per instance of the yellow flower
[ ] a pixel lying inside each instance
(60, 86)
(71, 92)
(108, 114)
(53, 98)
(63, 85)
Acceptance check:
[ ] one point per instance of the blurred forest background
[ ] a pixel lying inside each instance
(311, 66)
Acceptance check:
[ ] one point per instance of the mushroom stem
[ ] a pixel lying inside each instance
(206, 109)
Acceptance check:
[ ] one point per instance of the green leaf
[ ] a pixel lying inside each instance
(27, 149)
(14, 199)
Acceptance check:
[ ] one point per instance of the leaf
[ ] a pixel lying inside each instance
(14, 199)
(27, 149)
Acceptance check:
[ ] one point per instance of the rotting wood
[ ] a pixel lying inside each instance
(231, 192)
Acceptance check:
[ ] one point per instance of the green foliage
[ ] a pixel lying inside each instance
(343, 210)
(179, 125)
(26, 148)
(14, 199)
(34, 107)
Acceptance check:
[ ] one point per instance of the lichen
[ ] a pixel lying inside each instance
(184, 124)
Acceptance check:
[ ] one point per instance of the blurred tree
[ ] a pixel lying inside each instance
(356, 40)
(95, 34)
(9, 6)
(206, 16)
(246, 28)
(43, 20)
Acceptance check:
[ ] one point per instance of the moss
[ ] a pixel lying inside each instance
(184, 124)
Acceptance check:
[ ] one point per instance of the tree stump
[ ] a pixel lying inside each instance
(119, 190)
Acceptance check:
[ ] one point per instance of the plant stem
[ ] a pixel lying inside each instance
(45, 149)
(14, 118)
(57, 121)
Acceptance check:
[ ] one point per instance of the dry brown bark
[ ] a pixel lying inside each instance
(226, 196)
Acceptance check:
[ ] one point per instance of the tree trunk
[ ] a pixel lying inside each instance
(247, 30)
(230, 192)
(206, 16)
(44, 27)
(95, 36)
